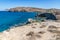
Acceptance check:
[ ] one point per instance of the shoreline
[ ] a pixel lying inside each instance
(36, 28)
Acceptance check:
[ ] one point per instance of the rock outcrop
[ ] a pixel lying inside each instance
(48, 30)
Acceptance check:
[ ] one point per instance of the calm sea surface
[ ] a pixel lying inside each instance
(8, 19)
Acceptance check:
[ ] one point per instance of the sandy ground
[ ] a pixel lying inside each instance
(35, 31)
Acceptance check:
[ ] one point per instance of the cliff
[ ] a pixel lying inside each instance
(48, 30)
(56, 12)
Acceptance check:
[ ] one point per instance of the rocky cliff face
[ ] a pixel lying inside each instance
(30, 9)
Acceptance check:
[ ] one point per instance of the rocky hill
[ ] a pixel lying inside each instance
(31, 9)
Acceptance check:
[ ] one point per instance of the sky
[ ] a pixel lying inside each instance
(6, 4)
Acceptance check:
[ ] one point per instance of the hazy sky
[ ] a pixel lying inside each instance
(5, 4)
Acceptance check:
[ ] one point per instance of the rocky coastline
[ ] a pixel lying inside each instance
(32, 9)
(34, 30)
(48, 30)
(56, 12)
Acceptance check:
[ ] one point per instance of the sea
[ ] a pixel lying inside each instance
(10, 19)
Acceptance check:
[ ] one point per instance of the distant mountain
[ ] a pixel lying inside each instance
(31, 9)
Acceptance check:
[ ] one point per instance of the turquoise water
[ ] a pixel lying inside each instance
(9, 19)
